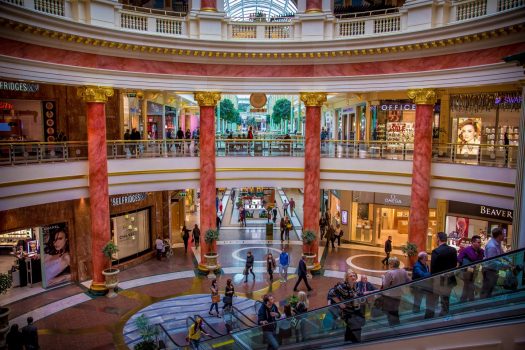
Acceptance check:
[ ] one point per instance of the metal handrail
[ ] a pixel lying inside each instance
(139, 9)
(393, 10)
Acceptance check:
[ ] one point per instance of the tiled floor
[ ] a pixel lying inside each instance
(67, 317)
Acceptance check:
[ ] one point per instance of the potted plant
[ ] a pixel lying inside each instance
(410, 250)
(292, 301)
(147, 332)
(210, 237)
(6, 282)
(308, 238)
(111, 274)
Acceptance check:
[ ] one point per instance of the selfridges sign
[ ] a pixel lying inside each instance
(17, 86)
(127, 199)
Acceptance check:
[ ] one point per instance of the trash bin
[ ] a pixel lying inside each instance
(269, 230)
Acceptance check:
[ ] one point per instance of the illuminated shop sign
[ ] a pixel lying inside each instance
(128, 199)
(5, 105)
(398, 107)
(22, 87)
(480, 210)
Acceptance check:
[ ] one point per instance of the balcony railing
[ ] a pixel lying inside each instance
(172, 23)
(45, 152)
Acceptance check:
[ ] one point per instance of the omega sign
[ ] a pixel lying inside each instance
(128, 199)
(398, 107)
(393, 200)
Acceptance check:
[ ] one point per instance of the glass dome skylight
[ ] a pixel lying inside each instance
(259, 9)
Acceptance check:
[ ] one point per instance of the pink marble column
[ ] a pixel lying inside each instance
(96, 98)
(314, 6)
(312, 166)
(420, 193)
(208, 215)
(209, 5)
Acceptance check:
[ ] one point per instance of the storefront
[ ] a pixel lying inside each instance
(465, 220)
(41, 255)
(379, 215)
(485, 118)
(179, 206)
(131, 224)
(256, 201)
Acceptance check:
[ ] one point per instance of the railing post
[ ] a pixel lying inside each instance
(11, 154)
(65, 151)
(404, 151)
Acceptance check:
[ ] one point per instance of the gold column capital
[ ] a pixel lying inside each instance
(422, 96)
(207, 99)
(313, 99)
(95, 93)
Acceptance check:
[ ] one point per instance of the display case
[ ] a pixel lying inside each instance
(491, 136)
(10, 239)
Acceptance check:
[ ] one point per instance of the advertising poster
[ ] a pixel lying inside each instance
(469, 136)
(56, 254)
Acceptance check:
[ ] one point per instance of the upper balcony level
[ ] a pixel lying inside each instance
(449, 20)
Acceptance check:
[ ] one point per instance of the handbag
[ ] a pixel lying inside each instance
(215, 298)
(511, 281)
(227, 299)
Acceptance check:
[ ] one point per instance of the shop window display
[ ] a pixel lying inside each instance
(131, 233)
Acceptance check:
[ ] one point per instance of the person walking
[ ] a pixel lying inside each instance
(392, 298)
(471, 254)
(287, 227)
(185, 237)
(229, 293)
(282, 227)
(284, 262)
(215, 298)
(388, 249)
(248, 268)
(443, 258)
(322, 226)
(266, 316)
(292, 206)
(159, 245)
(218, 222)
(14, 339)
(30, 335)
(274, 214)
(302, 275)
(270, 265)
(330, 236)
(421, 290)
(492, 268)
(338, 234)
(195, 333)
(285, 207)
(196, 235)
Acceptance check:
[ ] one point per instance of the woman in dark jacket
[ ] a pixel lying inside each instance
(14, 338)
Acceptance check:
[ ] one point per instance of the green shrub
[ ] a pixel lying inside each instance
(409, 249)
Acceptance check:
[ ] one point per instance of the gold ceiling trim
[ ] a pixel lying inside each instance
(425, 45)
(474, 181)
(42, 180)
(153, 172)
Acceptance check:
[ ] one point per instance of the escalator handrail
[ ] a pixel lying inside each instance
(243, 314)
(418, 281)
(169, 336)
(209, 326)
(251, 322)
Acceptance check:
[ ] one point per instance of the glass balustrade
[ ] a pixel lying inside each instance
(41, 152)
(490, 291)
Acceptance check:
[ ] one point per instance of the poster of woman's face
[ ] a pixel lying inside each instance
(469, 134)
(57, 258)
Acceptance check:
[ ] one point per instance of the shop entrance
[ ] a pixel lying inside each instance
(393, 222)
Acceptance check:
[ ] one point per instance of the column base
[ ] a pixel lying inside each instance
(204, 270)
(316, 270)
(98, 289)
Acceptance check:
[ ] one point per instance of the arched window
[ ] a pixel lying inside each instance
(260, 10)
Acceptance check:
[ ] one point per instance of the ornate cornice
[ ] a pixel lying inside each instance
(207, 99)
(422, 96)
(316, 54)
(313, 99)
(98, 94)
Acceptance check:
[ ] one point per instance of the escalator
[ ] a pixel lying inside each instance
(324, 328)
